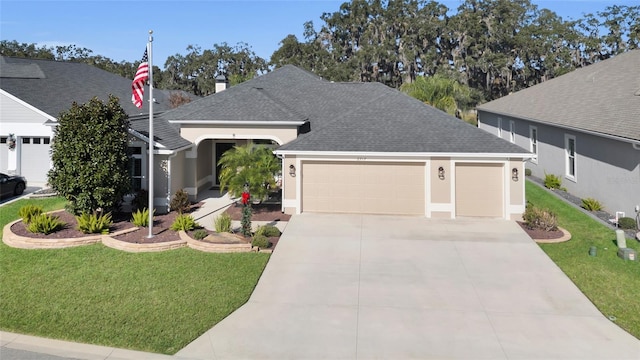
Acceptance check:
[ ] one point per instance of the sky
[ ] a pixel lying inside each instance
(119, 29)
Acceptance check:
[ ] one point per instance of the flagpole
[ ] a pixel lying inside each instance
(151, 165)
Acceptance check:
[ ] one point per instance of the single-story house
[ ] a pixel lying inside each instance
(345, 147)
(583, 126)
(34, 92)
(351, 148)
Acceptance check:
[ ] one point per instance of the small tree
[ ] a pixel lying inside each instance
(89, 154)
(249, 164)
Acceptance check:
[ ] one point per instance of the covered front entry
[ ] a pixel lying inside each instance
(479, 190)
(363, 187)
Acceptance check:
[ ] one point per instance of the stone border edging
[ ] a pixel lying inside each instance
(565, 237)
(22, 242)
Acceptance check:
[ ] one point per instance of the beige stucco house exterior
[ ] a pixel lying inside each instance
(352, 148)
(345, 147)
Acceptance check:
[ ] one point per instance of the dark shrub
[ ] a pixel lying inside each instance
(627, 223)
(260, 241)
(180, 202)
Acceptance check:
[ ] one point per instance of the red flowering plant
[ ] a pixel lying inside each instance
(246, 211)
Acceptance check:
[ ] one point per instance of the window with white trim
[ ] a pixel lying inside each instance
(533, 143)
(570, 156)
(136, 168)
(512, 131)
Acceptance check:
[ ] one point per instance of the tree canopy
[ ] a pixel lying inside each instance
(493, 46)
(89, 155)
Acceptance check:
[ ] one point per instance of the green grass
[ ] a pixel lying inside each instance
(156, 302)
(611, 283)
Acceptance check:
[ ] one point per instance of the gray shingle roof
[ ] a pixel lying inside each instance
(354, 117)
(602, 98)
(52, 86)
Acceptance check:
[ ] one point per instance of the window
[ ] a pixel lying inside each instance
(46, 140)
(36, 140)
(499, 127)
(570, 154)
(135, 168)
(26, 140)
(533, 143)
(3, 140)
(512, 131)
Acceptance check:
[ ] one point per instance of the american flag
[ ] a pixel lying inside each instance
(142, 75)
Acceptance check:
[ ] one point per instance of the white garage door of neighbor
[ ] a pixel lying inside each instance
(366, 188)
(35, 158)
(479, 190)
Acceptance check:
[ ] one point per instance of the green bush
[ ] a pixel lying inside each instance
(268, 231)
(184, 222)
(591, 204)
(94, 223)
(627, 223)
(527, 172)
(536, 218)
(45, 224)
(141, 217)
(200, 234)
(28, 212)
(222, 223)
(552, 181)
(180, 202)
(260, 241)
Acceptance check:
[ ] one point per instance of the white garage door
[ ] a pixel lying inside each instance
(366, 188)
(35, 158)
(479, 190)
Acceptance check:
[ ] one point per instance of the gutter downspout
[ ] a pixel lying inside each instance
(175, 153)
(281, 157)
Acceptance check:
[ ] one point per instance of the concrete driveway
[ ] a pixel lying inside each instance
(364, 287)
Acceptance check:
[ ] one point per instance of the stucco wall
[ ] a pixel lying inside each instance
(289, 184)
(196, 133)
(607, 170)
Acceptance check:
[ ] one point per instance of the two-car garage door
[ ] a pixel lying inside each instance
(367, 188)
(398, 188)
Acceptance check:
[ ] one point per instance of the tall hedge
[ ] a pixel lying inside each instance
(89, 154)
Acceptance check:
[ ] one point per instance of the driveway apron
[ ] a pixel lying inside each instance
(365, 287)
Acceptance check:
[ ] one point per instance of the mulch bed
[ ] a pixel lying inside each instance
(260, 212)
(541, 234)
(161, 226)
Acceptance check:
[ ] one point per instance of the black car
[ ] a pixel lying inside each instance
(11, 185)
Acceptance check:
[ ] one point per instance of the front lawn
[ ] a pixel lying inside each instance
(611, 283)
(156, 302)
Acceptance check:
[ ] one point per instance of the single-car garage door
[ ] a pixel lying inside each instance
(367, 188)
(479, 190)
(35, 158)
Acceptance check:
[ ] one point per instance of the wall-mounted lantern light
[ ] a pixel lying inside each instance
(292, 170)
(441, 173)
(514, 174)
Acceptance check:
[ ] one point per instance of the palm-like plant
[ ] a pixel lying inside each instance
(440, 92)
(251, 164)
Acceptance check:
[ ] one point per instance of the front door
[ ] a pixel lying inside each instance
(220, 149)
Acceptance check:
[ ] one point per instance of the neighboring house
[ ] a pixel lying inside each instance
(583, 126)
(351, 148)
(34, 92)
